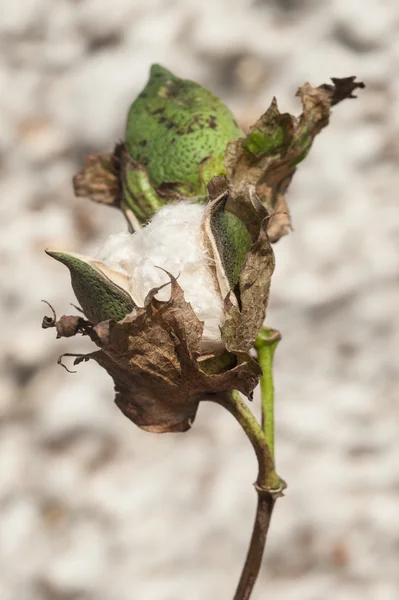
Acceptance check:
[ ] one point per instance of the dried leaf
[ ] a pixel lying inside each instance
(99, 180)
(342, 88)
(268, 156)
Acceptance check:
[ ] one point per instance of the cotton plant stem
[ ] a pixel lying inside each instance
(268, 485)
(267, 477)
(265, 346)
(253, 561)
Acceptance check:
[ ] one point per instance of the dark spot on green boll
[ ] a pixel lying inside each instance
(212, 122)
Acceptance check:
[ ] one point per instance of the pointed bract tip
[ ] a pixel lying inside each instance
(157, 70)
(53, 253)
(58, 255)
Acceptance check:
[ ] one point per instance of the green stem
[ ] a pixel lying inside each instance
(267, 479)
(268, 485)
(265, 346)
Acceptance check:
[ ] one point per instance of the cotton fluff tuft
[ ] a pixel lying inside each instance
(171, 240)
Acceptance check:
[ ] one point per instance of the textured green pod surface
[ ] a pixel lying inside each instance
(100, 298)
(173, 125)
(233, 242)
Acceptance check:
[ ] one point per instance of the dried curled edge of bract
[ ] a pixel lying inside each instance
(153, 352)
(267, 157)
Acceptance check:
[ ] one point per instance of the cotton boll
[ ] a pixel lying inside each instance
(171, 241)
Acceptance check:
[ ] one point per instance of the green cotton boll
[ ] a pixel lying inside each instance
(173, 127)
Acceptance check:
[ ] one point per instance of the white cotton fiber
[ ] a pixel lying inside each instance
(170, 241)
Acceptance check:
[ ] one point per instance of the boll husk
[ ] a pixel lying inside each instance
(154, 348)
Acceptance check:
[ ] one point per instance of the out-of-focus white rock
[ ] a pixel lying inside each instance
(92, 507)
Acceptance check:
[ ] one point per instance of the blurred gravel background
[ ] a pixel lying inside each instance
(92, 508)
